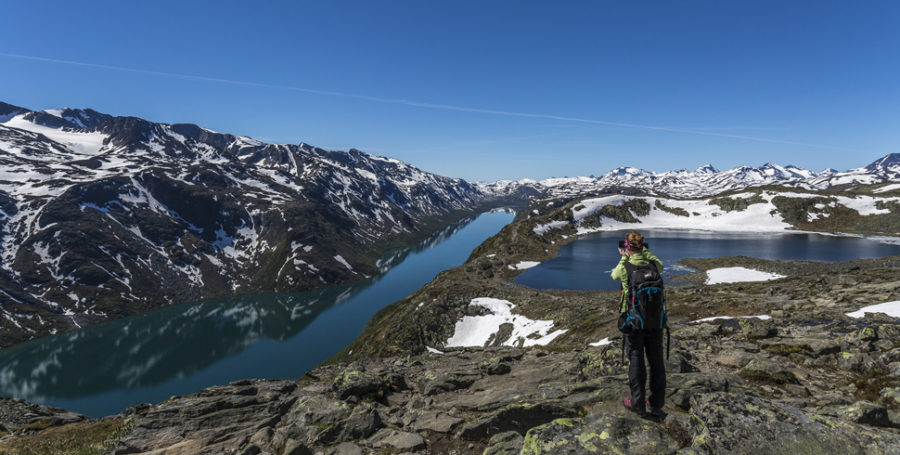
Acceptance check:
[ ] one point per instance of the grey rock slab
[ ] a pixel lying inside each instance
(438, 422)
(345, 448)
(399, 440)
(507, 443)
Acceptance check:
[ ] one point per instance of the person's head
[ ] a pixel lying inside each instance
(634, 242)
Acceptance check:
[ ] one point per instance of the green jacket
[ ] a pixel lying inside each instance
(620, 274)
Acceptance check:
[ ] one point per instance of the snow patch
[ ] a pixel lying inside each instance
(524, 265)
(887, 188)
(738, 275)
(343, 261)
(433, 350)
(602, 342)
(542, 229)
(889, 308)
(477, 330)
(715, 318)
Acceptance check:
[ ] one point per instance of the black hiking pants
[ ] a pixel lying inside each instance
(650, 343)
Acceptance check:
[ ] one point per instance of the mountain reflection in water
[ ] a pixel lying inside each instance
(104, 368)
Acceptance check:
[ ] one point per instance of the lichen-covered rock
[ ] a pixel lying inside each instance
(867, 413)
(890, 394)
(745, 424)
(600, 435)
(604, 361)
(858, 336)
(859, 362)
(359, 383)
(768, 370)
(755, 329)
(518, 417)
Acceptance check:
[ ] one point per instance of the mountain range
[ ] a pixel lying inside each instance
(104, 216)
(704, 181)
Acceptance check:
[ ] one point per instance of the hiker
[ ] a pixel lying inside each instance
(643, 335)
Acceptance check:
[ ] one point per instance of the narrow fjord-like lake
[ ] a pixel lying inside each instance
(585, 263)
(102, 369)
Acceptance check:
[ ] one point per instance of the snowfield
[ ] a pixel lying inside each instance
(715, 318)
(738, 275)
(705, 216)
(889, 308)
(477, 330)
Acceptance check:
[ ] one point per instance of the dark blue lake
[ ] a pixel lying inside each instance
(585, 263)
(102, 369)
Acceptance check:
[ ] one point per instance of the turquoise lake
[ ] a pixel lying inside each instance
(585, 264)
(102, 369)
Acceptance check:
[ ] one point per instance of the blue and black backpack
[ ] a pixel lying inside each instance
(646, 304)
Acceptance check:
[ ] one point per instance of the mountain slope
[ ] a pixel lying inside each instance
(103, 216)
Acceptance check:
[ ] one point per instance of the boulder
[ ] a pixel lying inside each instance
(358, 383)
(768, 370)
(756, 329)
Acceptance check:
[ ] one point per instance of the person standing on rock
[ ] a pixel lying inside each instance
(643, 335)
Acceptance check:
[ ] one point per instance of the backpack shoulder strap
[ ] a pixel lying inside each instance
(629, 270)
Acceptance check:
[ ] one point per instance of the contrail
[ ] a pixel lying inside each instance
(444, 107)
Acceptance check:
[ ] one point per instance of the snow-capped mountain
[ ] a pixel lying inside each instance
(704, 181)
(103, 216)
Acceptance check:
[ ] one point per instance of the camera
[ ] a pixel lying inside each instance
(622, 244)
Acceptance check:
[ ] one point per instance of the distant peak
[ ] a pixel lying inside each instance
(706, 169)
(891, 160)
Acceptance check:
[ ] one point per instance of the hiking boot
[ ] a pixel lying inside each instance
(654, 411)
(639, 410)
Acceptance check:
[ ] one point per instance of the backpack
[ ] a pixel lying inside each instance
(646, 298)
(646, 302)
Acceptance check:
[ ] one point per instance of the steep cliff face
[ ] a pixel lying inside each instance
(104, 216)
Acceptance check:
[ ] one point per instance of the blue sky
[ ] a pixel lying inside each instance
(484, 90)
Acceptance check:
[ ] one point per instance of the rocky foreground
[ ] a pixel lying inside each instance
(809, 380)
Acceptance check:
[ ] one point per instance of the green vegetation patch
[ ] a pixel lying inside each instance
(678, 211)
(627, 212)
(831, 216)
(730, 204)
(93, 437)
